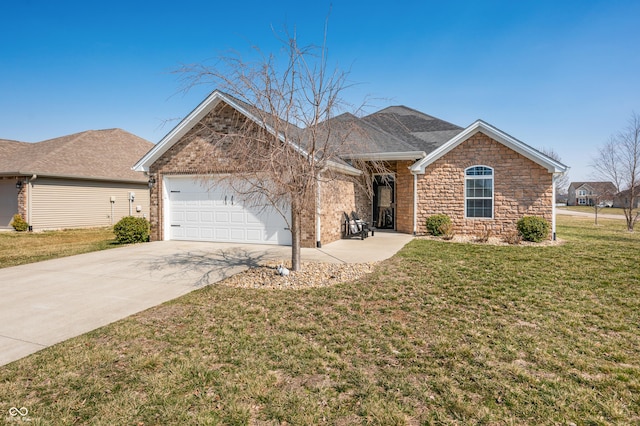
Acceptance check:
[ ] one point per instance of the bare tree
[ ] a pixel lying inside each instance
(618, 160)
(562, 181)
(599, 194)
(294, 142)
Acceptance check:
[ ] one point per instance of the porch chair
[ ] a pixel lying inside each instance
(351, 228)
(364, 226)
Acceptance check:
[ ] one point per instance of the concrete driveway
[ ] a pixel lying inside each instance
(48, 302)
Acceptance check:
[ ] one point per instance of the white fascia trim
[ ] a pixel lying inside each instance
(480, 126)
(387, 156)
(343, 168)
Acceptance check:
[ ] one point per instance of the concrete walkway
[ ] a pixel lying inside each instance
(48, 302)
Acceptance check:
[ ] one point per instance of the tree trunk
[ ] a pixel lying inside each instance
(628, 213)
(295, 236)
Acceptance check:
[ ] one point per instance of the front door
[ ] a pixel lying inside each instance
(384, 202)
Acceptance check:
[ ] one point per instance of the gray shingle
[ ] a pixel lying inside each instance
(424, 132)
(98, 154)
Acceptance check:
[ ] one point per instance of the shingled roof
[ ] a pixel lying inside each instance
(424, 132)
(94, 154)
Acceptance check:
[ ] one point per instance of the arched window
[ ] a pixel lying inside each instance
(478, 192)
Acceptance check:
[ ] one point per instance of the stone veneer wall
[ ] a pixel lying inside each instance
(521, 187)
(194, 153)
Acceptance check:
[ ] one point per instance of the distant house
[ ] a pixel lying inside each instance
(591, 193)
(621, 199)
(80, 180)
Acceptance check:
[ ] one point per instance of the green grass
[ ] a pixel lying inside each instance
(443, 333)
(18, 248)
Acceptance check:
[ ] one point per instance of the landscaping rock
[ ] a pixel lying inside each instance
(311, 275)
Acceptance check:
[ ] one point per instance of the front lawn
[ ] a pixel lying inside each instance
(18, 248)
(443, 333)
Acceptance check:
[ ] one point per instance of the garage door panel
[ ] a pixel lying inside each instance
(238, 218)
(213, 213)
(206, 217)
(222, 234)
(222, 217)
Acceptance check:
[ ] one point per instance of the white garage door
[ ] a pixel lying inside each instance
(201, 211)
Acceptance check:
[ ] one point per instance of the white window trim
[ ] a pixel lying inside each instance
(493, 182)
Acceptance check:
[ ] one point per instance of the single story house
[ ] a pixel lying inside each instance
(590, 193)
(621, 199)
(484, 179)
(80, 180)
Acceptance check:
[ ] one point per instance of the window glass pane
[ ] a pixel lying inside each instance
(479, 171)
(479, 208)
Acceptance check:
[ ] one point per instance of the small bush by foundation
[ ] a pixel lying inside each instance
(19, 224)
(439, 224)
(533, 228)
(132, 229)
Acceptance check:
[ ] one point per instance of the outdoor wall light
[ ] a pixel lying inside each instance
(152, 181)
(19, 185)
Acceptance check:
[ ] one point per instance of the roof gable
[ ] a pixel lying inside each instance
(597, 187)
(525, 150)
(201, 111)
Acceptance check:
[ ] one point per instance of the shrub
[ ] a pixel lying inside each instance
(484, 236)
(132, 229)
(439, 224)
(18, 223)
(447, 231)
(533, 228)
(512, 237)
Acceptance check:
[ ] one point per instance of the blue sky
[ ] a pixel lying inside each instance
(554, 74)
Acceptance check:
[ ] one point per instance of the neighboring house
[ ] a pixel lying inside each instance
(591, 193)
(80, 180)
(621, 199)
(483, 178)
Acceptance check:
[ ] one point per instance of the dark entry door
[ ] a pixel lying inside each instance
(384, 202)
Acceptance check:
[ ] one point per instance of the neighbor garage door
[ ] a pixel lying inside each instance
(202, 210)
(8, 202)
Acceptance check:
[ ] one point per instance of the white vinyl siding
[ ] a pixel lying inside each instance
(65, 203)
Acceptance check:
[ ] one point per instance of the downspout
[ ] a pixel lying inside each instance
(29, 190)
(553, 206)
(415, 204)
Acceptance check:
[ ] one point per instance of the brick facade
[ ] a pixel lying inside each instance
(337, 197)
(521, 187)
